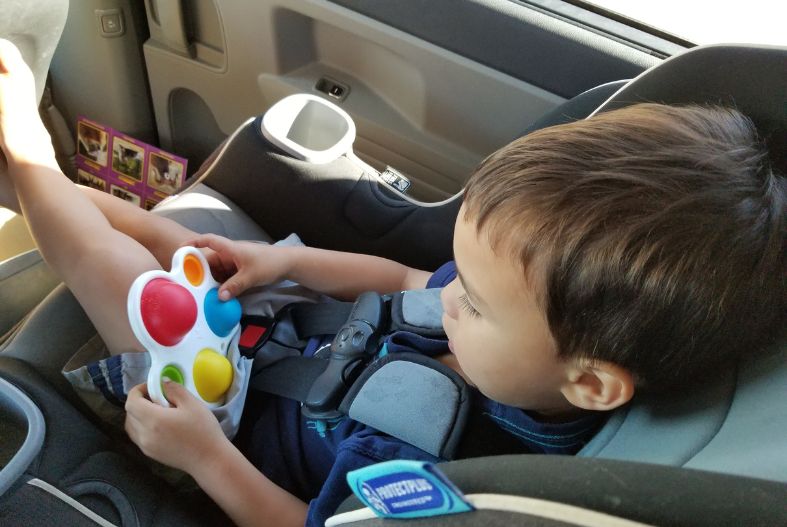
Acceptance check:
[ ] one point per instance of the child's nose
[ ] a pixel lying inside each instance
(448, 296)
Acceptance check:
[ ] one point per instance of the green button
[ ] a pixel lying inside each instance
(173, 373)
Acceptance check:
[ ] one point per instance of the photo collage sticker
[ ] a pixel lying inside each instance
(126, 167)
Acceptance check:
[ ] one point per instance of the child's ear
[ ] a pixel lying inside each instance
(598, 386)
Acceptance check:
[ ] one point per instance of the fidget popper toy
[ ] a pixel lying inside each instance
(179, 319)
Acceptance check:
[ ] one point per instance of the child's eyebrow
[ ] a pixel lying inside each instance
(477, 300)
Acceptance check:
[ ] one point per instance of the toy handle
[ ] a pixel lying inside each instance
(155, 390)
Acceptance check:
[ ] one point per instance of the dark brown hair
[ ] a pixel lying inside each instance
(660, 232)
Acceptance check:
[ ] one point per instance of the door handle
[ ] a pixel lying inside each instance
(170, 28)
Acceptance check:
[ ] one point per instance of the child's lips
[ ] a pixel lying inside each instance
(450, 345)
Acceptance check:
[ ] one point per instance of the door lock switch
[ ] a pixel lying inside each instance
(332, 88)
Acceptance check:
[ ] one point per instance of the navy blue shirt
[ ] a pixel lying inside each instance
(310, 459)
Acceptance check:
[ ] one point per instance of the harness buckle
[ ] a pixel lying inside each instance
(354, 345)
(254, 333)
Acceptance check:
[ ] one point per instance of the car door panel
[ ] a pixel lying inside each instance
(419, 106)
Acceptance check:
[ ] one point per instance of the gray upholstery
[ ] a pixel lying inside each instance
(547, 51)
(736, 425)
(24, 281)
(751, 78)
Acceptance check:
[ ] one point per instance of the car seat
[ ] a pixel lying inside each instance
(735, 426)
(726, 426)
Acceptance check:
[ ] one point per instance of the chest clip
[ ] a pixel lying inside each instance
(354, 345)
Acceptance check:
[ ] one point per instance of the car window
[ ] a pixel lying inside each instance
(708, 21)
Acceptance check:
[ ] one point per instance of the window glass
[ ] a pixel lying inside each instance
(709, 21)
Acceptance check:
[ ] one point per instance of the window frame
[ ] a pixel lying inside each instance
(613, 25)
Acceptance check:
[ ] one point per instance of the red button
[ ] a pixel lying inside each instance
(168, 311)
(251, 336)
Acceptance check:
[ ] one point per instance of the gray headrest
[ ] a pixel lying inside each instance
(751, 78)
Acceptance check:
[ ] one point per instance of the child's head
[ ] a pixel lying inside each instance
(644, 246)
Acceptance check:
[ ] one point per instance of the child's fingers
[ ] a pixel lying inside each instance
(211, 241)
(178, 395)
(137, 399)
(234, 286)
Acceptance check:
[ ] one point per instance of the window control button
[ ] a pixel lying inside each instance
(111, 22)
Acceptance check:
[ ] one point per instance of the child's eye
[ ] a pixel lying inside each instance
(468, 307)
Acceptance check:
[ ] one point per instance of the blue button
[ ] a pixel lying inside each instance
(222, 317)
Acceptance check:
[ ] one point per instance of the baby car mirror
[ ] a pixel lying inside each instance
(309, 128)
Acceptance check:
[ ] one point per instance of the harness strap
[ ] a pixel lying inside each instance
(290, 377)
(407, 395)
(319, 319)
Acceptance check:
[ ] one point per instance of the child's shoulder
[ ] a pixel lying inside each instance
(443, 276)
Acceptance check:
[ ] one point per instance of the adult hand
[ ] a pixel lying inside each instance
(242, 264)
(184, 436)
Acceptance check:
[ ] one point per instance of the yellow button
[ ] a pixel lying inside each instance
(212, 375)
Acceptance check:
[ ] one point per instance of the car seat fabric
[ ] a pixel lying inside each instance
(735, 425)
(752, 79)
(753, 437)
(578, 107)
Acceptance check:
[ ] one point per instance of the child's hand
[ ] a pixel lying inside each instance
(183, 436)
(242, 264)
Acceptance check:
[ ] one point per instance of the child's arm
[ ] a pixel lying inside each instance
(188, 437)
(338, 274)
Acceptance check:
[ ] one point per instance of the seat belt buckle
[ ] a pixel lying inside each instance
(255, 330)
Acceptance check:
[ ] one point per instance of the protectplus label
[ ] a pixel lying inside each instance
(406, 489)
